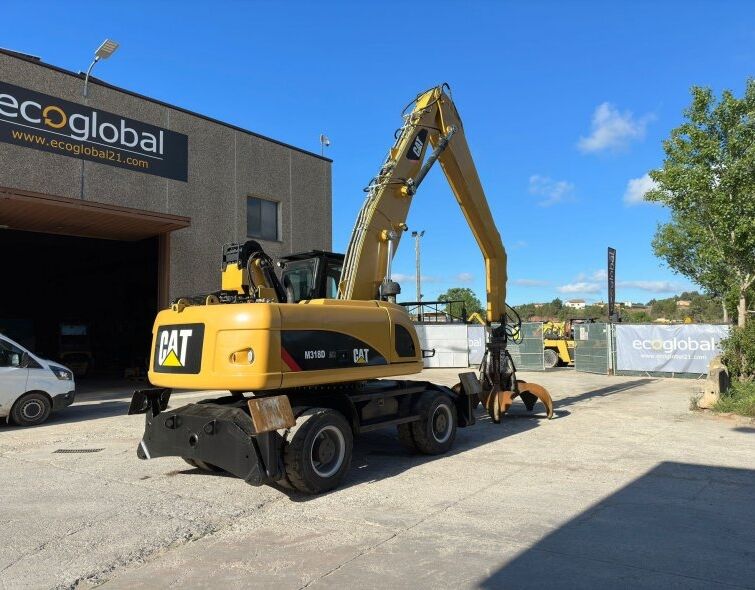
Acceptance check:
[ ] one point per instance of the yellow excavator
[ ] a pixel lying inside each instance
(305, 357)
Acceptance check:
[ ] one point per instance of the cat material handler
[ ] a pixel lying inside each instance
(305, 357)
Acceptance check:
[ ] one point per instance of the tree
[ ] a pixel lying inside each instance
(471, 302)
(708, 182)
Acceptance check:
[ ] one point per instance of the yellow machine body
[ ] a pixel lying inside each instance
(267, 346)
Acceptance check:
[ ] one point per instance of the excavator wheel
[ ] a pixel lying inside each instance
(406, 438)
(317, 450)
(435, 431)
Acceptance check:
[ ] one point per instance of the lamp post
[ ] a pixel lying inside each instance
(417, 235)
(324, 142)
(104, 51)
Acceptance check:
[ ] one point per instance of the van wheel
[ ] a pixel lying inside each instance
(31, 409)
(435, 431)
(317, 450)
(550, 358)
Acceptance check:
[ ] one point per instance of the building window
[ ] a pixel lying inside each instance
(261, 219)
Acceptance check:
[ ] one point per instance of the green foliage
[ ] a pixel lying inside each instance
(740, 399)
(702, 309)
(471, 302)
(708, 182)
(739, 352)
(637, 317)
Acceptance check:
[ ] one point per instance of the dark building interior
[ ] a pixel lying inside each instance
(88, 303)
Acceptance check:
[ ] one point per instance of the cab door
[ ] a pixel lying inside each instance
(13, 375)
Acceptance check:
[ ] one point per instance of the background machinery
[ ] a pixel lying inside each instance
(303, 355)
(559, 342)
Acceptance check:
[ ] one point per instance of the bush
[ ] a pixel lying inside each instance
(739, 351)
(740, 399)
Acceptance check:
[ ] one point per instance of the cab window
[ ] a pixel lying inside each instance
(299, 280)
(332, 278)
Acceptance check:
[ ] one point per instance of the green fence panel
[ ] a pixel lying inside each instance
(591, 348)
(528, 354)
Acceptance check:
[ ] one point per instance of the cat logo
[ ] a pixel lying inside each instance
(361, 356)
(178, 349)
(173, 347)
(415, 152)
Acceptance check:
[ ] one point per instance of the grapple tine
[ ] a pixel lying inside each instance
(533, 389)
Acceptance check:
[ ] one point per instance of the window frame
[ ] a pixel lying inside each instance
(278, 219)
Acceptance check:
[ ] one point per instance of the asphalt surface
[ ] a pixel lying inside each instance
(625, 487)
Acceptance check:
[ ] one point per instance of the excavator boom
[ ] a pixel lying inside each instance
(430, 121)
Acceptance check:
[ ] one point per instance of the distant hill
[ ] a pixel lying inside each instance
(700, 308)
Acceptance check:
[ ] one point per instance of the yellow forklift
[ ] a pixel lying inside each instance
(559, 341)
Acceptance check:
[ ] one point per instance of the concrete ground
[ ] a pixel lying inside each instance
(625, 487)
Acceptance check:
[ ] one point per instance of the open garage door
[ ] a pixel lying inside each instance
(82, 281)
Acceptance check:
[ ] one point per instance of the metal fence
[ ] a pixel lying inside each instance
(591, 348)
(528, 354)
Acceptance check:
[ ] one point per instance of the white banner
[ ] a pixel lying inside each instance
(679, 348)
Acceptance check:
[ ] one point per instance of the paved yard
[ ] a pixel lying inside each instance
(625, 487)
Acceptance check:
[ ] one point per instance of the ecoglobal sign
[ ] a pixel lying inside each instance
(682, 348)
(46, 123)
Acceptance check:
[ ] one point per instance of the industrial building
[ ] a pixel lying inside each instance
(115, 203)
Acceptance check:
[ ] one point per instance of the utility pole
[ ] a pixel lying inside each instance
(417, 235)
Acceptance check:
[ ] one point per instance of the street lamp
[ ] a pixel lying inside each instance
(417, 235)
(324, 142)
(104, 51)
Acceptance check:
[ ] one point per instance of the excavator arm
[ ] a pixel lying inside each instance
(432, 120)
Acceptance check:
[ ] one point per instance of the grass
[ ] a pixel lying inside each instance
(740, 399)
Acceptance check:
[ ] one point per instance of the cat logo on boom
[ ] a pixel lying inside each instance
(415, 152)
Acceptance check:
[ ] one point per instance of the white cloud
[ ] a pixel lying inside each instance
(519, 244)
(579, 287)
(613, 130)
(652, 286)
(600, 275)
(636, 189)
(530, 283)
(464, 277)
(555, 191)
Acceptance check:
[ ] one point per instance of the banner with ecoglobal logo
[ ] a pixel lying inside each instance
(682, 348)
(46, 123)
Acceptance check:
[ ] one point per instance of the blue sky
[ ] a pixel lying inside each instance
(565, 106)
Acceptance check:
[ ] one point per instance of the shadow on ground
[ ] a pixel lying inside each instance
(679, 525)
(603, 392)
(379, 455)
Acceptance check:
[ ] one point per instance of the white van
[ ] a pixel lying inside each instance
(31, 387)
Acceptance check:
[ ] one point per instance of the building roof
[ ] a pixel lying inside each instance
(92, 80)
(576, 301)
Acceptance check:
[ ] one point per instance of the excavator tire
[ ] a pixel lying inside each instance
(406, 438)
(550, 358)
(317, 450)
(435, 431)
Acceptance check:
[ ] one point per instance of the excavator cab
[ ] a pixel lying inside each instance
(311, 275)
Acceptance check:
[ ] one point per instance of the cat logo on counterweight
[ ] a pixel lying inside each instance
(178, 349)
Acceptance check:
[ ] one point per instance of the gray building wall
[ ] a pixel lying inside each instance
(226, 165)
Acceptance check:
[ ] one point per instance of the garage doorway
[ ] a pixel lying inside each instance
(88, 303)
(82, 281)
